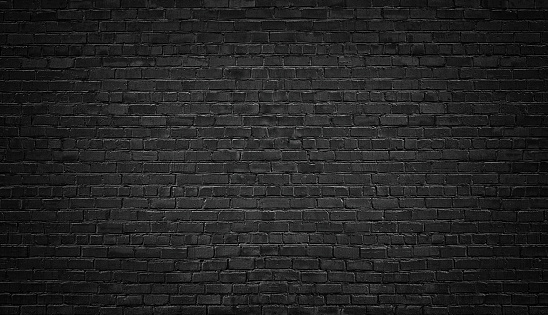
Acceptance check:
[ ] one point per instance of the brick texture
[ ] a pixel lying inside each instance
(273, 157)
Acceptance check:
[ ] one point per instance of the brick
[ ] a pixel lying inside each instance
(277, 157)
(346, 252)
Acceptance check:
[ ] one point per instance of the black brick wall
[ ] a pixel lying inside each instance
(273, 156)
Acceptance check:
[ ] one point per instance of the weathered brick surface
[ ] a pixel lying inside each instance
(272, 156)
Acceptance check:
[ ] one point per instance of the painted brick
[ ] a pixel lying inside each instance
(273, 157)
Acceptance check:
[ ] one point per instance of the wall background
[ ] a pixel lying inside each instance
(283, 157)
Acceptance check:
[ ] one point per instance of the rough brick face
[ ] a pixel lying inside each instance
(274, 157)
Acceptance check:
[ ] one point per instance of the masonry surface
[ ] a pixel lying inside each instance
(273, 157)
